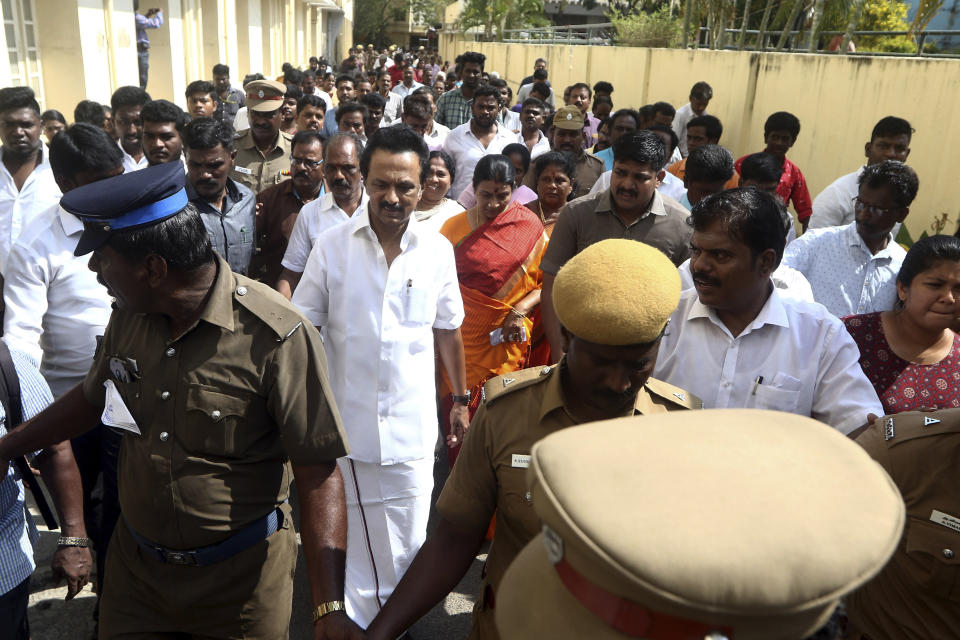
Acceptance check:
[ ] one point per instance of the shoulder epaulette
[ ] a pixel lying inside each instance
(675, 395)
(911, 425)
(509, 382)
(268, 305)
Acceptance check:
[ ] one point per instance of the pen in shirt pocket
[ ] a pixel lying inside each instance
(756, 383)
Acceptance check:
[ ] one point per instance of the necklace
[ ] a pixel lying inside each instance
(540, 211)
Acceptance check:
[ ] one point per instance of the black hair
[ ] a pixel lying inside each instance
(516, 147)
(665, 108)
(619, 113)
(295, 92)
(782, 121)
(563, 159)
(374, 100)
(421, 91)
(471, 57)
(487, 90)
(540, 88)
(898, 177)
(711, 125)
(309, 73)
(312, 100)
(709, 163)
(396, 139)
(761, 167)
(663, 128)
(496, 167)
(12, 98)
(250, 77)
(605, 124)
(500, 83)
(646, 112)
(207, 133)
(448, 162)
(539, 75)
(597, 100)
(292, 76)
(890, 127)
(314, 59)
(750, 215)
(642, 147)
(349, 108)
(90, 112)
(342, 136)
(285, 66)
(603, 87)
(52, 114)
(343, 77)
(417, 106)
(307, 136)
(534, 102)
(200, 86)
(181, 240)
(925, 254)
(701, 91)
(579, 85)
(164, 111)
(221, 70)
(127, 97)
(83, 147)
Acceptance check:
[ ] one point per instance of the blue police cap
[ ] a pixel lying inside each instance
(128, 201)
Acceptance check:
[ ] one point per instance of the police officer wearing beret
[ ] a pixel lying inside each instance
(613, 299)
(220, 389)
(263, 150)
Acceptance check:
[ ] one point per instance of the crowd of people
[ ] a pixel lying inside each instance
(331, 276)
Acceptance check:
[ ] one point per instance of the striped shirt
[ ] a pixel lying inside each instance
(16, 529)
(453, 109)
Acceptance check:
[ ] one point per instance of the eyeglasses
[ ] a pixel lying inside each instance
(309, 164)
(872, 209)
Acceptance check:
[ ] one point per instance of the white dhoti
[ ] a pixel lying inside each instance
(387, 511)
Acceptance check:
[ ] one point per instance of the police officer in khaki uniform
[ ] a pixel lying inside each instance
(263, 150)
(917, 596)
(614, 299)
(567, 135)
(220, 389)
(715, 525)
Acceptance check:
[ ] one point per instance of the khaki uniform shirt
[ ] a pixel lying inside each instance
(917, 595)
(591, 219)
(221, 410)
(490, 475)
(588, 170)
(257, 171)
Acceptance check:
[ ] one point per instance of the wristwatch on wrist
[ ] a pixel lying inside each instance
(328, 608)
(464, 399)
(71, 541)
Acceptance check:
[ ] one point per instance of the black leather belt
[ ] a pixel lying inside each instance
(255, 532)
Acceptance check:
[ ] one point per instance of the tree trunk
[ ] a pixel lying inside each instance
(687, 10)
(743, 27)
(761, 45)
(854, 19)
(818, 6)
(788, 27)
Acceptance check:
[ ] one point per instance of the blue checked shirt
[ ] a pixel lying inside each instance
(16, 528)
(453, 109)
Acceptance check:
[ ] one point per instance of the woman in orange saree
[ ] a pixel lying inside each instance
(498, 246)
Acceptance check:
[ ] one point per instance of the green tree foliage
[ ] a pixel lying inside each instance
(884, 15)
(372, 17)
(494, 16)
(642, 29)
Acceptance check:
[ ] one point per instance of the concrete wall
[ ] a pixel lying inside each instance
(838, 100)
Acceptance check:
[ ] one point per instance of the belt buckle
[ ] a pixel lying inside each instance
(178, 557)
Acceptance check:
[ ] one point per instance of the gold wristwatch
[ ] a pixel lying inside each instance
(326, 608)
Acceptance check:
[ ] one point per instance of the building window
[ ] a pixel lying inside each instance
(23, 55)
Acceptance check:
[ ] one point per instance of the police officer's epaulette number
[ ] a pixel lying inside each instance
(911, 425)
(509, 382)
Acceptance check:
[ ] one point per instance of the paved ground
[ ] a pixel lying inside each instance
(53, 619)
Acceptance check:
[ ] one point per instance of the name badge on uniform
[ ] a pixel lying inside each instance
(947, 520)
(124, 369)
(242, 170)
(518, 461)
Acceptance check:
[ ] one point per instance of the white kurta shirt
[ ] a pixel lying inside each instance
(437, 136)
(541, 147)
(833, 207)
(377, 324)
(846, 278)
(805, 361)
(466, 150)
(19, 208)
(314, 218)
(55, 306)
(129, 164)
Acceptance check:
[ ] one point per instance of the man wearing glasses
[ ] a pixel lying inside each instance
(279, 205)
(853, 269)
(344, 196)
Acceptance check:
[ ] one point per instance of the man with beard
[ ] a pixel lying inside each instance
(229, 99)
(345, 196)
(280, 205)
(27, 185)
(567, 135)
(375, 105)
(310, 113)
(454, 107)
(228, 209)
(478, 137)
(288, 110)
(631, 208)
(163, 124)
(201, 98)
(531, 122)
(263, 151)
(126, 103)
(345, 95)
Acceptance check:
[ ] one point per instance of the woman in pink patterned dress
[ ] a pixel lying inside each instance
(912, 354)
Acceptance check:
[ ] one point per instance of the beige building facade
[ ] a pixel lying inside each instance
(69, 50)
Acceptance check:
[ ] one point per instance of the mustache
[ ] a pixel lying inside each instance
(609, 396)
(627, 192)
(699, 275)
(389, 206)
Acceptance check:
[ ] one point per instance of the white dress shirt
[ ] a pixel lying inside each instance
(684, 115)
(467, 150)
(794, 357)
(541, 147)
(18, 208)
(511, 120)
(326, 97)
(130, 165)
(55, 306)
(403, 90)
(377, 324)
(833, 207)
(394, 107)
(846, 278)
(789, 282)
(671, 186)
(314, 218)
(437, 136)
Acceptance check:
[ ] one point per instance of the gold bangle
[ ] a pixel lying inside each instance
(517, 313)
(327, 608)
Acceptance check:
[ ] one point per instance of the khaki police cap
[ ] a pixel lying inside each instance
(617, 292)
(734, 523)
(264, 95)
(568, 117)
